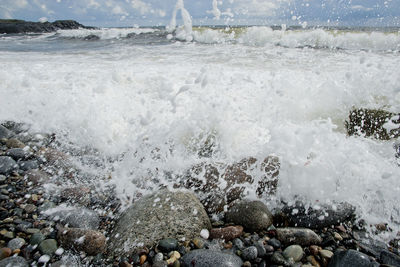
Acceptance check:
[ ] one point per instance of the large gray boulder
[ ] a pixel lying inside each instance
(157, 216)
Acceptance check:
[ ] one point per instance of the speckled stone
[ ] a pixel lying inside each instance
(249, 253)
(299, 236)
(48, 246)
(7, 165)
(206, 258)
(16, 243)
(294, 251)
(14, 262)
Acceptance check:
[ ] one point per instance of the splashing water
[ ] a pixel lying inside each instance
(186, 33)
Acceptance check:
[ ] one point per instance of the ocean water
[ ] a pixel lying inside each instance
(152, 99)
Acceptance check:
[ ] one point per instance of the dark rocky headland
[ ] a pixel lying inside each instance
(75, 222)
(9, 26)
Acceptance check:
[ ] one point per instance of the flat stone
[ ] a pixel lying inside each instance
(16, 261)
(16, 243)
(90, 241)
(206, 258)
(294, 252)
(299, 236)
(318, 217)
(7, 165)
(74, 217)
(326, 254)
(344, 258)
(154, 217)
(254, 216)
(48, 246)
(227, 233)
(390, 258)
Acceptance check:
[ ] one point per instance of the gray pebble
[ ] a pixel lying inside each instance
(18, 153)
(16, 243)
(14, 262)
(48, 246)
(5, 133)
(28, 165)
(7, 165)
(249, 253)
(294, 252)
(37, 238)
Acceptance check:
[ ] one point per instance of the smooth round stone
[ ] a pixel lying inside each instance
(7, 165)
(261, 251)
(238, 243)
(326, 253)
(44, 259)
(16, 243)
(14, 262)
(37, 238)
(18, 153)
(168, 244)
(158, 257)
(30, 208)
(5, 253)
(2, 178)
(206, 258)
(342, 258)
(198, 242)
(48, 246)
(294, 251)
(249, 253)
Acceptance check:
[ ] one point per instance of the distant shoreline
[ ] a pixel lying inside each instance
(12, 26)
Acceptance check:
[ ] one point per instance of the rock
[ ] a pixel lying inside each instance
(30, 208)
(294, 252)
(16, 261)
(374, 123)
(14, 143)
(154, 217)
(48, 246)
(227, 233)
(198, 242)
(345, 258)
(238, 243)
(279, 259)
(389, 258)
(90, 241)
(7, 165)
(206, 258)
(261, 250)
(318, 218)
(7, 234)
(16, 127)
(37, 238)
(254, 216)
(205, 179)
(28, 165)
(168, 244)
(21, 26)
(5, 253)
(37, 177)
(54, 158)
(16, 243)
(79, 194)
(250, 253)
(326, 254)
(18, 153)
(74, 217)
(299, 236)
(275, 243)
(5, 133)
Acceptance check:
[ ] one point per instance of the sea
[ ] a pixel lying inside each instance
(147, 100)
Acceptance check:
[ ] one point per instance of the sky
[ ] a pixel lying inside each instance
(117, 13)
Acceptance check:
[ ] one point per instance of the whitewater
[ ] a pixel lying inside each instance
(150, 99)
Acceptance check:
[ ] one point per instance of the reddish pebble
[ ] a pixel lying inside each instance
(5, 253)
(143, 258)
(341, 228)
(227, 233)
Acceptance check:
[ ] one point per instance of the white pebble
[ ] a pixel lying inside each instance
(44, 259)
(205, 233)
(59, 251)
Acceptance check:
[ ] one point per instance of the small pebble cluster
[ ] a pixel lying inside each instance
(73, 224)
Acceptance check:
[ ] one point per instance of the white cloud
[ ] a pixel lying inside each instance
(118, 10)
(141, 6)
(257, 7)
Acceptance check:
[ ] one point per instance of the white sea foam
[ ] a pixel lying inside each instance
(104, 33)
(155, 104)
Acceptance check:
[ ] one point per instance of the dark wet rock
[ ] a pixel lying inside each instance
(261, 251)
(206, 258)
(16, 127)
(74, 217)
(379, 124)
(28, 165)
(7, 165)
(48, 246)
(238, 243)
(21, 26)
(5, 133)
(204, 179)
(252, 215)
(37, 238)
(317, 218)
(387, 257)
(250, 253)
(90, 241)
(274, 243)
(18, 153)
(347, 258)
(157, 216)
(16, 261)
(227, 233)
(168, 244)
(372, 247)
(91, 37)
(299, 236)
